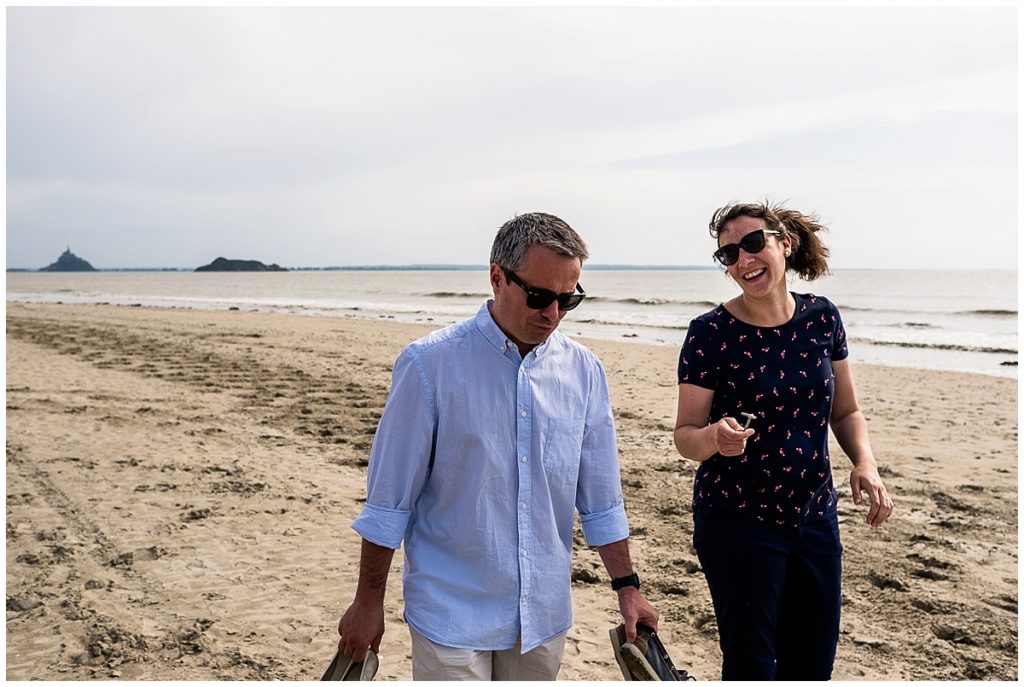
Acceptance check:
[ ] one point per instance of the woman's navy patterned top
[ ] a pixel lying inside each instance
(784, 376)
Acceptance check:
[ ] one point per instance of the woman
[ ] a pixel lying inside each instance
(761, 377)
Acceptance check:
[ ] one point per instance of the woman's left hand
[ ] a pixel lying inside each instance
(867, 479)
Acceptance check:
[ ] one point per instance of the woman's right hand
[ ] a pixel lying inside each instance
(730, 437)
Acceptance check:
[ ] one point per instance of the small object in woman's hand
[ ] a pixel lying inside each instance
(750, 418)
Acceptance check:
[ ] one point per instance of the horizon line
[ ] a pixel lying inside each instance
(384, 266)
(410, 267)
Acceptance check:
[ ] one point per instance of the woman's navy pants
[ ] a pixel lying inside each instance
(776, 592)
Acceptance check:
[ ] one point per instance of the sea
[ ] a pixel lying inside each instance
(937, 320)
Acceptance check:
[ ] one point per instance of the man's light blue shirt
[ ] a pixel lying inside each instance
(480, 459)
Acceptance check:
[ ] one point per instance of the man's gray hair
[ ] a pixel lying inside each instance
(535, 228)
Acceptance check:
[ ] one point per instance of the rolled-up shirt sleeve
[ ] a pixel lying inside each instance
(599, 489)
(400, 455)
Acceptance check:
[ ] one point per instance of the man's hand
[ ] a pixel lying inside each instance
(636, 609)
(632, 604)
(360, 628)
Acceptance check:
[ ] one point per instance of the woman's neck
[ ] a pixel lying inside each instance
(771, 310)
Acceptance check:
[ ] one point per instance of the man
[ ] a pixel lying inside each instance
(496, 429)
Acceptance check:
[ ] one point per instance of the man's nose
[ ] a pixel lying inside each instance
(551, 312)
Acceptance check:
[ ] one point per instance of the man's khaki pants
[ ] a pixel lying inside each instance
(432, 661)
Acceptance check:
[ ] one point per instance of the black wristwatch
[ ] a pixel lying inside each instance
(631, 580)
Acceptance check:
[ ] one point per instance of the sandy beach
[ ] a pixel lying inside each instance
(180, 486)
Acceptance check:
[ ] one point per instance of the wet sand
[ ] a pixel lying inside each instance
(180, 486)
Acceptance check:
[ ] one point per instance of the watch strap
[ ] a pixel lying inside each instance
(631, 580)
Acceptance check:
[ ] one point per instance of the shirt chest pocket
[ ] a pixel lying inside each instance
(562, 446)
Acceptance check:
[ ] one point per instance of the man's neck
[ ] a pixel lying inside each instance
(524, 348)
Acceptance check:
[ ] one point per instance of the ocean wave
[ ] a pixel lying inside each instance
(912, 325)
(989, 313)
(630, 325)
(455, 294)
(632, 300)
(936, 346)
(982, 312)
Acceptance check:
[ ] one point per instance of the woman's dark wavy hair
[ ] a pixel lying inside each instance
(809, 257)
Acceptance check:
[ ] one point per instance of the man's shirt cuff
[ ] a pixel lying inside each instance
(606, 526)
(382, 526)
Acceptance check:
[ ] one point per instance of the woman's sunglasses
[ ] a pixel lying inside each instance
(752, 243)
(538, 299)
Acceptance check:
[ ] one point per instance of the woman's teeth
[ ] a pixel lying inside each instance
(754, 275)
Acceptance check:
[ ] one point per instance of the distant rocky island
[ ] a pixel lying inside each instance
(226, 265)
(69, 262)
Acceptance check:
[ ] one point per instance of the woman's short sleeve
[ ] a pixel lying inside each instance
(698, 362)
(839, 349)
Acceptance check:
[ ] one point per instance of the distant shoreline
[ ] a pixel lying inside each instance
(481, 268)
(388, 268)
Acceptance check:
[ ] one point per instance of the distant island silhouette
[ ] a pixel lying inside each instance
(226, 265)
(69, 262)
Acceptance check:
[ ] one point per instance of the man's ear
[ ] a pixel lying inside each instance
(496, 276)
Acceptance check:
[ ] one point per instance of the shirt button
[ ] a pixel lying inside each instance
(524, 505)
(525, 553)
(523, 458)
(523, 413)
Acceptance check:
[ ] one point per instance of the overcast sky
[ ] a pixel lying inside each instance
(165, 137)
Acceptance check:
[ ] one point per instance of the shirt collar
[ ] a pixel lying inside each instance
(492, 332)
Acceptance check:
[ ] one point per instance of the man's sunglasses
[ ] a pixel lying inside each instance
(538, 299)
(752, 243)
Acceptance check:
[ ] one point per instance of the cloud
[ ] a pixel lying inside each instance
(946, 139)
(406, 133)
